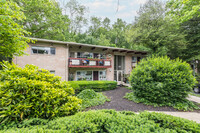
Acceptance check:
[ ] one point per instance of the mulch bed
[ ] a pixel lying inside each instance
(120, 104)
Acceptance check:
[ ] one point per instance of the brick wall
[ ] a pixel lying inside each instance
(57, 62)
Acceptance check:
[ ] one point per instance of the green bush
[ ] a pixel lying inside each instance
(91, 98)
(87, 94)
(32, 93)
(97, 86)
(160, 81)
(111, 121)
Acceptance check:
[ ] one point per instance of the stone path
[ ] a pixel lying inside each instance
(119, 103)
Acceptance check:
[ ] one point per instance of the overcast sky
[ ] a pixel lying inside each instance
(108, 8)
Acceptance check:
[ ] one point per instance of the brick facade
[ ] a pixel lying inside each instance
(60, 61)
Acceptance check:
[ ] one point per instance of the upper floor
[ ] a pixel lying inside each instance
(63, 57)
(84, 55)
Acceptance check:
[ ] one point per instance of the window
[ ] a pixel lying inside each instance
(102, 75)
(43, 50)
(52, 71)
(134, 59)
(102, 56)
(84, 55)
(72, 54)
(53, 50)
(84, 75)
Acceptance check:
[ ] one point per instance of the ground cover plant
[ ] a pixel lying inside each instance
(32, 93)
(97, 86)
(160, 81)
(91, 98)
(108, 121)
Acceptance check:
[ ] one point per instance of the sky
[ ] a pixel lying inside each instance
(126, 9)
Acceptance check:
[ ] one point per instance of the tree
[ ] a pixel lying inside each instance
(192, 30)
(186, 13)
(12, 39)
(117, 34)
(45, 19)
(184, 10)
(77, 18)
(95, 26)
(103, 41)
(106, 23)
(155, 31)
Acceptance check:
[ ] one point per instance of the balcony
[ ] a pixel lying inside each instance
(89, 63)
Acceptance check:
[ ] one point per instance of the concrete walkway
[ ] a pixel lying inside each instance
(194, 116)
(194, 99)
(187, 115)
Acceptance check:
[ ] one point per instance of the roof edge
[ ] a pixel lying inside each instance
(82, 44)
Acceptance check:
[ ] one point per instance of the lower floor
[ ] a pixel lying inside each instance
(77, 74)
(88, 75)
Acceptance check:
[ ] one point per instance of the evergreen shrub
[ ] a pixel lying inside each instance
(97, 86)
(32, 93)
(161, 81)
(110, 121)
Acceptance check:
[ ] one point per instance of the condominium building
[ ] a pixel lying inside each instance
(77, 61)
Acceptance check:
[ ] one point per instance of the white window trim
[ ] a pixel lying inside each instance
(83, 71)
(92, 74)
(43, 47)
(99, 75)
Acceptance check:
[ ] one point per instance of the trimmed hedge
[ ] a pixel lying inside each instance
(97, 86)
(109, 121)
(160, 81)
(32, 93)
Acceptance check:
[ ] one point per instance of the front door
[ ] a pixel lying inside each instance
(119, 68)
(119, 76)
(95, 75)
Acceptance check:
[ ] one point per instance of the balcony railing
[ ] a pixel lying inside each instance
(85, 62)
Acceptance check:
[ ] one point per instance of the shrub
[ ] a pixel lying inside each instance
(94, 85)
(160, 81)
(87, 94)
(91, 98)
(111, 121)
(32, 93)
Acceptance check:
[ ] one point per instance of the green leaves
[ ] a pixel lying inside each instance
(44, 19)
(32, 93)
(164, 82)
(184, 10)
(12, 34)
(108, 121)
(94, 85)
(91, 98)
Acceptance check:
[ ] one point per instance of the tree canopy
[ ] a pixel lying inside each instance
(184, 10)
(162, 28)
(44, 19)
(12, 34)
